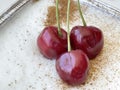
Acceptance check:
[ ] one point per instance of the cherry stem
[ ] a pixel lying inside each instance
(80, 11)
(57, 18)
(68, 28)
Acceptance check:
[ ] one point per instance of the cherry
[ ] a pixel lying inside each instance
(87, 38)
(52, 41)
(52, 45)
(72, 66)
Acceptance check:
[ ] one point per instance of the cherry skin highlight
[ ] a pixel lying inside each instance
(50, 43)
(87, 38)
(73, 67)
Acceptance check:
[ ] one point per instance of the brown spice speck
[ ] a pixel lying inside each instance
(9, 84)
(40, 65)
(91, 83)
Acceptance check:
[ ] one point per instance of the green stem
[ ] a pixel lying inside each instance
(80, 11)
(68, 28)
(57, 18)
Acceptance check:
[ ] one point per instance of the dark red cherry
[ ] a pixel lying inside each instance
(50, 43)
(87, 38)
(73, 67)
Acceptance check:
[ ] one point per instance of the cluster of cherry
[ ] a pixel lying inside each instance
(72, 50)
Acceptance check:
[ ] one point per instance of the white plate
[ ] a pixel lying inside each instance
(22, 67)
(8, 8)
(5, 5)
(113, 3)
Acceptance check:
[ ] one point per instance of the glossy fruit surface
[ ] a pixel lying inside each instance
(50, 44)
(73, 67)
(87, 38)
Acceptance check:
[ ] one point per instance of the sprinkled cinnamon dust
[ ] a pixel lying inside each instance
(51, 19)
(35, 0)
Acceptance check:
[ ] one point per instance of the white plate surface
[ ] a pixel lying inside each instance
(22, 67)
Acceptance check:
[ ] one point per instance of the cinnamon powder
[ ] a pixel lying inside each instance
(35, 0)
(51, 15)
